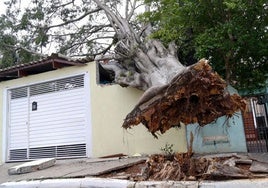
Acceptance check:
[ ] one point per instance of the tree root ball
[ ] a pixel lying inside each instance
(196, 95)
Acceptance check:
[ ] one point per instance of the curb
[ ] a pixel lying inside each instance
(115, 183)
(70, 183)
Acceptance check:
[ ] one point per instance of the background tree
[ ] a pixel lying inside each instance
(90, 28)
(232, 34)
(174, 93)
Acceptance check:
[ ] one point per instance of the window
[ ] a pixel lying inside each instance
(104, 76)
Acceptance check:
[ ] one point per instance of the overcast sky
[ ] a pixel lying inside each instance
(2, 7)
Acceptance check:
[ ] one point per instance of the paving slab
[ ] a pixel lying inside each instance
(260, 167)
(261, 157)
(71, 168)
(32, 166)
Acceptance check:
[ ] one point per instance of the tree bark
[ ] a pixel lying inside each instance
(196, 95)
(173, 93)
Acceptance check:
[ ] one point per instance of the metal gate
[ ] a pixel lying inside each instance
(255, 120)
(47, 120)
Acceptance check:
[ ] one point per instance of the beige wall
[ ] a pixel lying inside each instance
(108, 106)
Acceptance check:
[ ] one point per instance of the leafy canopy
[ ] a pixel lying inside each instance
(30, 29)
(232, 34)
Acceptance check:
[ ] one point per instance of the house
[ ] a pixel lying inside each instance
(54, 107)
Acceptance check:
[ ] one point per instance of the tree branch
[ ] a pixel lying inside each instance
(26, 49)
(111, 16)
(130, 14)
(74, 20)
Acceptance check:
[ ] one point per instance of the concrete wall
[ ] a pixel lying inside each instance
(108, 107)
(223, 135)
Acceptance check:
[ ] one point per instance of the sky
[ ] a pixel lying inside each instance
(2, 7)
(23, 4)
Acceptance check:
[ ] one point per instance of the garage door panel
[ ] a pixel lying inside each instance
(59, 135)
(70, 129)
(62, 112)
(52, 107)
(43, 142)
(18, 128)
(45, 109)
(19, 143)
(73, 94)
(57, 125)
(52, 125)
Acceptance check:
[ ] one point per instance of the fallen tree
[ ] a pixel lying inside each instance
(173, 93)
(197, 95)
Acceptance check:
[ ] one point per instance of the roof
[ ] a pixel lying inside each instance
(52, 62)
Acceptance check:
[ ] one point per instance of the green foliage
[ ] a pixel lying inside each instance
(49, 26)
(168, 149)
(232, 34)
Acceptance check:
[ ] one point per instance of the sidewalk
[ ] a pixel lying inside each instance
(70, 168)
(113, 183)
(79, 173)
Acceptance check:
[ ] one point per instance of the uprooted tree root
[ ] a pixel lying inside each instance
(187, 166)
(196, 95)
(178, 166)
(183, 167)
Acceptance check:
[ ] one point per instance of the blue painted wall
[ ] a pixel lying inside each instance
(223, 135)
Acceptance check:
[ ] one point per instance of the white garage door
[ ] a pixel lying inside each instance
(48, 120)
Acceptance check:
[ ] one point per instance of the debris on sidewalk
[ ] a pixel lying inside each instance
(32, 166)
(182, 166)
(190, 167)
(118, 167)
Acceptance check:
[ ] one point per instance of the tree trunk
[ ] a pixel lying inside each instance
(173, 93)
(147, 66)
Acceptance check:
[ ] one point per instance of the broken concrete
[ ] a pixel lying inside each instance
(70, 168)
(261, 157)
(259, 167)
(162, 170)
(32, 166)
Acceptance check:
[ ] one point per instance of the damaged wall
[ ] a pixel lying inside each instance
(110, 104)
(108, 107)
(222, 135)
